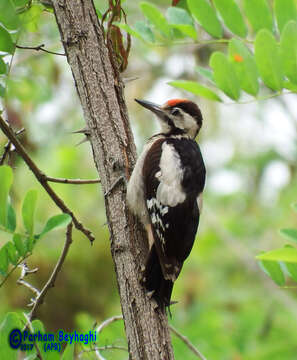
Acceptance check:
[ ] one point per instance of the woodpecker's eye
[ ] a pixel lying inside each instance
(175, 112)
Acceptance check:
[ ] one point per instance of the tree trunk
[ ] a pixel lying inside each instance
(100, 90)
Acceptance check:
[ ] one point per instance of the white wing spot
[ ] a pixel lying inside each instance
(164, 210)
(150, 203)
(154, 219)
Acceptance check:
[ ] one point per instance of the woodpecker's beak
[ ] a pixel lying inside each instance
(155, 108)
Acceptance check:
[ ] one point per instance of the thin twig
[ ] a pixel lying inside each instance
(108, 322)
(197, 43)
(7, 147)
(103, 348)
(43, 179)
(38, 48)
(32, 331)
(51, 281)
(25, 271)
(188, 343)
(13, 269)
(130, 79)
(5, 152)
(11, 60)
(101, 327)
(72, 181)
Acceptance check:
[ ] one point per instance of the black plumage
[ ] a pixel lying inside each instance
(174, 230)
(165, 190)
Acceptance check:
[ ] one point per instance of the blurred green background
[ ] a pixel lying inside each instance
(227, 306)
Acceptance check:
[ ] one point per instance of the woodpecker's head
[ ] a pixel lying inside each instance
(177, 116)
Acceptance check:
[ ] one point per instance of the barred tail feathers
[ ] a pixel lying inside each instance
(154, 280)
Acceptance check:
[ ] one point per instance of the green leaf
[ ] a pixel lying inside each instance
(20, 3)
(3, 260)
(10, 322)
(245, 66)
(2, 90)
(289, 50)
(6, 44)
(290, 234)
(6, 178)
(129, 30)
(284, 254)
(68, 353)
(205, 14)
(182, 4)
(274, 270)
(155, 16)
(30, 18)
(285, 10)
(207, 73)
(196, 89)
(11, 252)
(187, 30)
(177, 15)
(28, 210)
(8, 16)
(180, 19)
(11, 218)
(290, 86)
(3, 68)
(18, 243)
(258, 14)
(39, 327)
(98, 12)
(224, 75)
(54, 222)
(144, 31)
(294, 206)
(268, 60)
(30, 241)
(292, 268)
(232, 17)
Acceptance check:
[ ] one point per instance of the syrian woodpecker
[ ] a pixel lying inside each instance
(165, 192)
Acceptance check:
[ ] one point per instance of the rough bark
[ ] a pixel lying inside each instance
(100, 90)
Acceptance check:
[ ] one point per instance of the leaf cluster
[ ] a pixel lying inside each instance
(278, 262)
(13, 321)
(257, 52)
(15, 17)
(22, 243)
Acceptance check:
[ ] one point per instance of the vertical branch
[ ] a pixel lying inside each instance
(100, 90)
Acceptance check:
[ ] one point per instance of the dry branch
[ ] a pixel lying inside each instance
(42, 178)
(7, 147)
(38, 48)
(72, 181)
